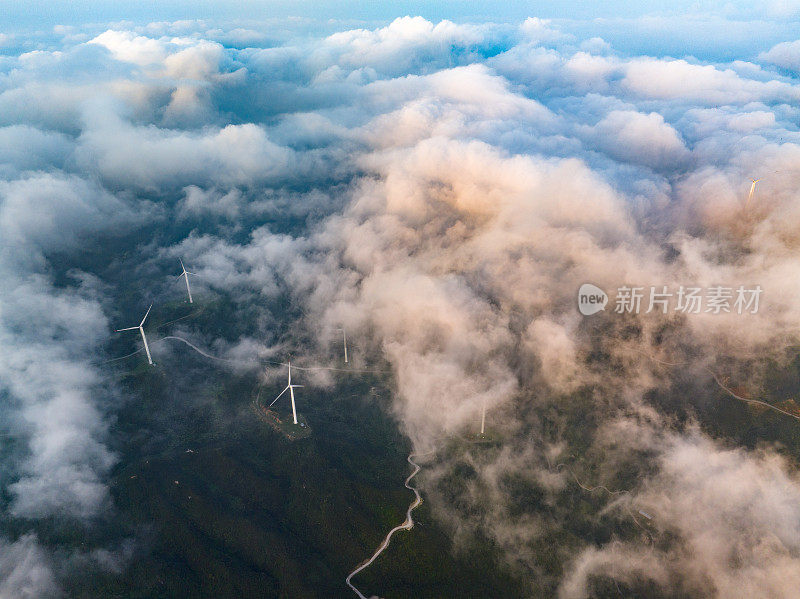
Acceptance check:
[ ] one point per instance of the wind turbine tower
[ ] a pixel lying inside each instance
(185, 274)
(752, 191)
(291, 389)
(144, 338)
(344, 343)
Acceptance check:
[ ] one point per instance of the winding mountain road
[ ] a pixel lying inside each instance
(728, 390)
(407, 525)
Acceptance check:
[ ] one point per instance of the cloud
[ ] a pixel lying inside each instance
(639, 138)
(706, 84)
(149, 157)
(785, 55)
(733, 517)
(129, 47)
(49, 338)
(540, 31)
(28, 148)
(25, 570)
(55, 401)
(441, 190)
(46, 213)
(198, 202)
(406, 44)
(751, 121)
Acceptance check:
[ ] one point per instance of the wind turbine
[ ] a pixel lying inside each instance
(291, 389)
(141, 330)
(185, 274)
(752, 191)
(344, 342)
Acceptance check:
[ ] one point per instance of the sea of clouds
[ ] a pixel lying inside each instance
(457, 183)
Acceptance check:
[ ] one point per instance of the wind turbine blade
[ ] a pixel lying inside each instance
(145, 315)
(277, 398)
(183, 268)
(128, 329)
(295, 386)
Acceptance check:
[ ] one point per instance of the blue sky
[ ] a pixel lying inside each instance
(42, 12)
(706, 30)
(81, 10)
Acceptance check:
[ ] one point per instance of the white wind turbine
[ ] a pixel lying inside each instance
(291, 389)
(752, 191)
(185, 274)
(141, 330)
(344, 343)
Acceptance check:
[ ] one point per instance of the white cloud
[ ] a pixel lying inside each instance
(407, 44)
(706, 84)
(150, 157)
(540, 31)
(639, 138)
(25, 570)
(734, 516)
(129, 47)
(785, 55)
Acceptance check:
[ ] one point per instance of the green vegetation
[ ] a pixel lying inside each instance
(221, 504)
